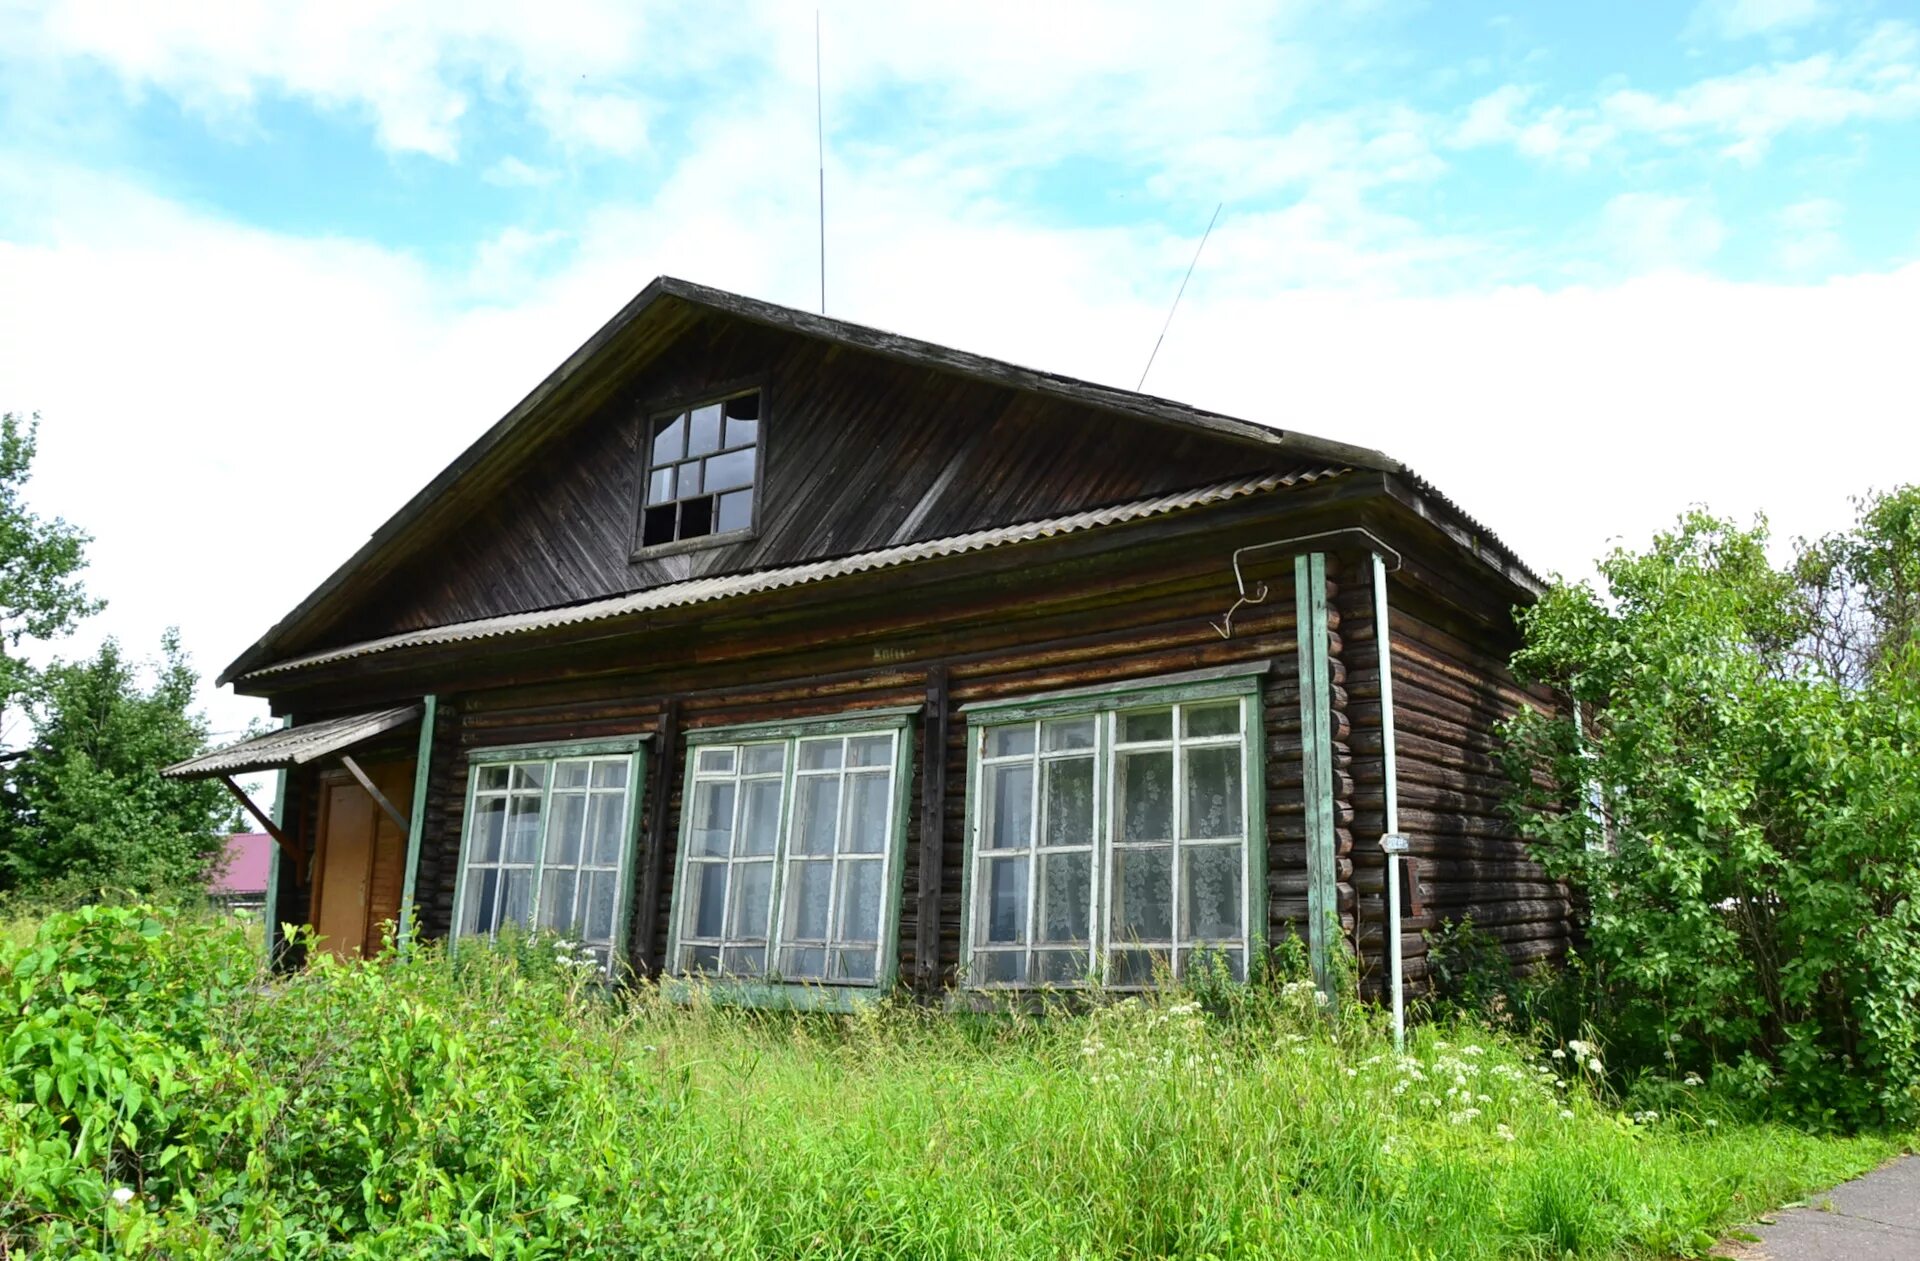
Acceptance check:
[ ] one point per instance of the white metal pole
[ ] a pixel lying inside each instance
(1392, 841)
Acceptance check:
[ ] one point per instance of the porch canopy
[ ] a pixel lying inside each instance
(292, 747)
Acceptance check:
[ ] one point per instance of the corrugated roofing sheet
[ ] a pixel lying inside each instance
(1427, 488)
(705, 590)
(294, 746)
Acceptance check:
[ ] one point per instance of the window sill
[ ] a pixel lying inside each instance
(773, 995)
(680, 547)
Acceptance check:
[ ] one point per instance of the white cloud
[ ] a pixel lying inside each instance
(1740, 19)
(1878, 80)
(1809, 234)
(1492, 118)
(267, 399)
(512, 172)
(509, 262)
(415, 70)
(231, 411)
(1651, 231)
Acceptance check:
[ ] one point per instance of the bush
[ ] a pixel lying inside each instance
(506, 1104)
(1745, 828)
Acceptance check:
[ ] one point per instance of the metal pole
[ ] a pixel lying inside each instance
(1392, 842)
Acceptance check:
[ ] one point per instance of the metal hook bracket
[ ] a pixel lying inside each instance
(1224, 627)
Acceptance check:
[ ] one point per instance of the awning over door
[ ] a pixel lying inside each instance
(294, 746)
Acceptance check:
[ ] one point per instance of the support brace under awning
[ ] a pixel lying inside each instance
(288, 846)
(379, 798)
(292, 747)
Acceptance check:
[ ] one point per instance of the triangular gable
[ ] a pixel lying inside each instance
(545, 496)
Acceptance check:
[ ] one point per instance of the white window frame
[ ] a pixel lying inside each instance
(631, 750)
(1106, 704)
(772, 989)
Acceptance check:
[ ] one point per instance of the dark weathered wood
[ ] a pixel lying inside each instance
(850, 448)
(862, 454)
(935, 749)
(666, 769)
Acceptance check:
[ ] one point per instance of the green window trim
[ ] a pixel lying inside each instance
(1238, 679)
(797, 728)
(1104, 704)
(771, 990)
(270, 935)
(633, 748)
(1316, 762)
(417, 818)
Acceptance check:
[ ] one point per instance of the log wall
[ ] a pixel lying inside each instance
(1161, 646)
(1451, 690)
(1128, 603)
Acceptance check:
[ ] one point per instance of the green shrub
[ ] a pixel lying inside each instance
(1746, 829)
(506, 1104)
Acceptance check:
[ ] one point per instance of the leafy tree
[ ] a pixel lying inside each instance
(40, 593)
(1742, 807)
(87, 806)
(1862, 589)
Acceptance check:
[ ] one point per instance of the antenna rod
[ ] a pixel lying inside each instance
(820, 140)
(1176, 297)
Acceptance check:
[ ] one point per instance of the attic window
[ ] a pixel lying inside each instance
(702, 464)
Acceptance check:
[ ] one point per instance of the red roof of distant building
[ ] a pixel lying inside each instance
(248, 854)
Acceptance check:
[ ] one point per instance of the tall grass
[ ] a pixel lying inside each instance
(503, 1104)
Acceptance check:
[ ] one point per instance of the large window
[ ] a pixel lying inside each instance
(547, 842)
(790, 852)
(1109, 837)
(702, 466)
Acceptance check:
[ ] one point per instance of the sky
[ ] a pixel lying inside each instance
(266, 268)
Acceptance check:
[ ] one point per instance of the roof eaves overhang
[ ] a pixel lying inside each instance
(708, 590)
(1427, 501)
(547, 399)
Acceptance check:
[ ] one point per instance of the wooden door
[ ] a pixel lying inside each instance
(361, 860)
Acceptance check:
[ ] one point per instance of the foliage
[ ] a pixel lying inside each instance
(1745, 828)
(87, 808)
(507, 1105)
(1468, 970)
(1861, 590)
(40, 594)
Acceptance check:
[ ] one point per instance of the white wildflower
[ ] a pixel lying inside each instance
(1578, 1047)
(1503, 1132)
(1558, 1054)
(1471, 1050)
(123, 1196)
(1594, 1065)
(1566, 1114)
(1693, 1079)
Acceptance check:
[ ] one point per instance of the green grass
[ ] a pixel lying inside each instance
(504, 1106)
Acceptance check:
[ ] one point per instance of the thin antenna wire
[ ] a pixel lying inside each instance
(1176, 297)
(820, 140)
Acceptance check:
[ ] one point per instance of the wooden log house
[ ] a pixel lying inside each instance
(816, 661)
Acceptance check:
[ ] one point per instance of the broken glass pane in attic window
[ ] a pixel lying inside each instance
(703, 465)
